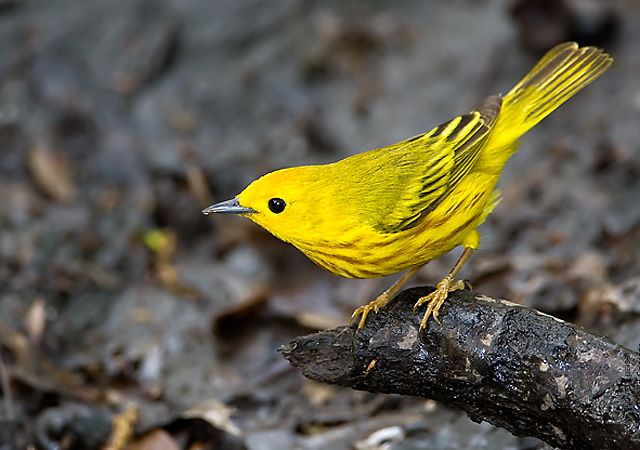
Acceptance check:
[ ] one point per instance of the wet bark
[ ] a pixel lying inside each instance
(502, 363)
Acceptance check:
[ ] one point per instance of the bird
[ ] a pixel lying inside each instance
(394, 209)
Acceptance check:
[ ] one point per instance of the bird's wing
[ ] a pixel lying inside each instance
(427, 167)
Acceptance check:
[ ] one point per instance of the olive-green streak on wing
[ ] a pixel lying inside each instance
(432, 164)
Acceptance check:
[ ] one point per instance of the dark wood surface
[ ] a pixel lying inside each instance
(502, 363)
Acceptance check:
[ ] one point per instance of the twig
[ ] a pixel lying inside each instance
(512, 366)
(6, 391)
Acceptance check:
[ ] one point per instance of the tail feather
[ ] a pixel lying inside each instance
(559, 75)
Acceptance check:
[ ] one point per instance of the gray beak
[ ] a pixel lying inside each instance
(230, 206)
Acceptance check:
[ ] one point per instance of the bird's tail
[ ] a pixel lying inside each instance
(561, 73)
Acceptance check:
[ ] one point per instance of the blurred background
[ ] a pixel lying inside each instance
(127, 316)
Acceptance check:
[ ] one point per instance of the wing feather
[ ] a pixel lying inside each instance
(425, 168)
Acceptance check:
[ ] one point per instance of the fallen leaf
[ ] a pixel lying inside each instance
(51, 174)
(157, 439)
(216, 413)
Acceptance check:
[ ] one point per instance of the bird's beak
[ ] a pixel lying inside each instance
(230, 206)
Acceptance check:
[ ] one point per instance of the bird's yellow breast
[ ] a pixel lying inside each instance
(364, 252)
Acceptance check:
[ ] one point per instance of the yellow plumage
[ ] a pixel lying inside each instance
(396, 208)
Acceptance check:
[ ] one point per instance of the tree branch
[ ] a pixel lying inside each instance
(512, 366)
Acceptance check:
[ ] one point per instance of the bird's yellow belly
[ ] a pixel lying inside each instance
(364, 252)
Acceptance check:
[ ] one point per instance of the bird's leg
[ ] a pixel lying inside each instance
(437, 297)
(383, 298)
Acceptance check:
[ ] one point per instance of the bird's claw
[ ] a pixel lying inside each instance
(375, 305)
(436, 299)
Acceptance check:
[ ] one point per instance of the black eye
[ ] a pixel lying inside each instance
(276, 205)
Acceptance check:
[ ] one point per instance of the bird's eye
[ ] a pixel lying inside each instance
(276, 205)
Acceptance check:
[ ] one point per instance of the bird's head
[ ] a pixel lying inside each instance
(288, 203)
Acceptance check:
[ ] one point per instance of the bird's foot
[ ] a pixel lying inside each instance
(375, 305)
(436, 299)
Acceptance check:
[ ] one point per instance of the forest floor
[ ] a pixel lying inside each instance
(127, 314)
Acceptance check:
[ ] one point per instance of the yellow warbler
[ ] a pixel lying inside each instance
(396, 208)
